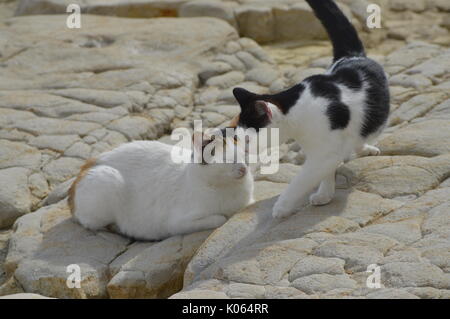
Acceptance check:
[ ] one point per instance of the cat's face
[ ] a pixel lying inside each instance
(219, 157)
(257, 111)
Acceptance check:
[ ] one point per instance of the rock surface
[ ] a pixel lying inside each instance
(391, 210)
(67, 95)
(24, 296)
(47, 242)
(117, 87)
(264, 22)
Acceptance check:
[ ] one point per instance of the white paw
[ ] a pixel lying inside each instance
(281, 210)
(318, 199)
(370, 150)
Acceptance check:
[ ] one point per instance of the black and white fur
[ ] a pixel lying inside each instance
(332, 115)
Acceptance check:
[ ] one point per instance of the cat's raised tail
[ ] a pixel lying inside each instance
(342, 33)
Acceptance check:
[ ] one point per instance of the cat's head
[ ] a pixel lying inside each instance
(218, 156)
(257, 110)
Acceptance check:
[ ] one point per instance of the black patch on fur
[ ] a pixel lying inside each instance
(285, 99)
(250, 118)
(337, 112)
(377, 103)
(323, 86)
(341, 32)
(348, 77)
(339, 115)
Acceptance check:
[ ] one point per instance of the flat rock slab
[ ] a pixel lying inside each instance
(121, 8)
(47, 245)
(266, 21)
(68, 95)
(425, 138)
(24, 296)
(254, 248)
(324, 252)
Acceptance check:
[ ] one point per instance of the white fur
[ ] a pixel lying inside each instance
(139, 189)
(325, 149)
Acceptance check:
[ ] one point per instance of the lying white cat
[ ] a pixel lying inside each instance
(142, 192)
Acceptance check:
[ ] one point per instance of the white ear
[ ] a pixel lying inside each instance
(262, 108)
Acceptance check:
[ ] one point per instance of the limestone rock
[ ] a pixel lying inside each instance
(414, 275)
(15, 154)
(230, 252)
(4, 239)
(46, 242)
(256, 22)
(153, 270)
(24, 296)
(397, 175)
(15, 196)
(422, 139)
(415, 107)
(123, 8)
(316, 265)
(323, 283)
(208, 8)
(401, 5)
(226, 80)
(297, 22)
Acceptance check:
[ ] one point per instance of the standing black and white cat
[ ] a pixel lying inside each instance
(332, 116)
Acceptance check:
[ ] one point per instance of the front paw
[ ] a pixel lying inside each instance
(281, 210)
(319, 199)
(370, 150)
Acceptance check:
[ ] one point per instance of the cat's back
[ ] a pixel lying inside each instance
(136, 154)
(367, 67)
(143, 161)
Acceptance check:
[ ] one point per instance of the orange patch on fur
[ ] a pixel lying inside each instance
(234, 121)
(72, 190)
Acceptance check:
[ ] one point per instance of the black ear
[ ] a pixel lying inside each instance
(243, 96)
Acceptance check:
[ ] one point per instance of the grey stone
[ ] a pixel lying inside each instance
(208, 8)
(320, 283)
(404, 274)
(264, 75)
(311, 265)
(256, 22)
(15, 197)
(226, 80)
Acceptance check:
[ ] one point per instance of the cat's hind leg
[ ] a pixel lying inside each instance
(97, 196)
(368, 150)
(325, 193)
(365, 150)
